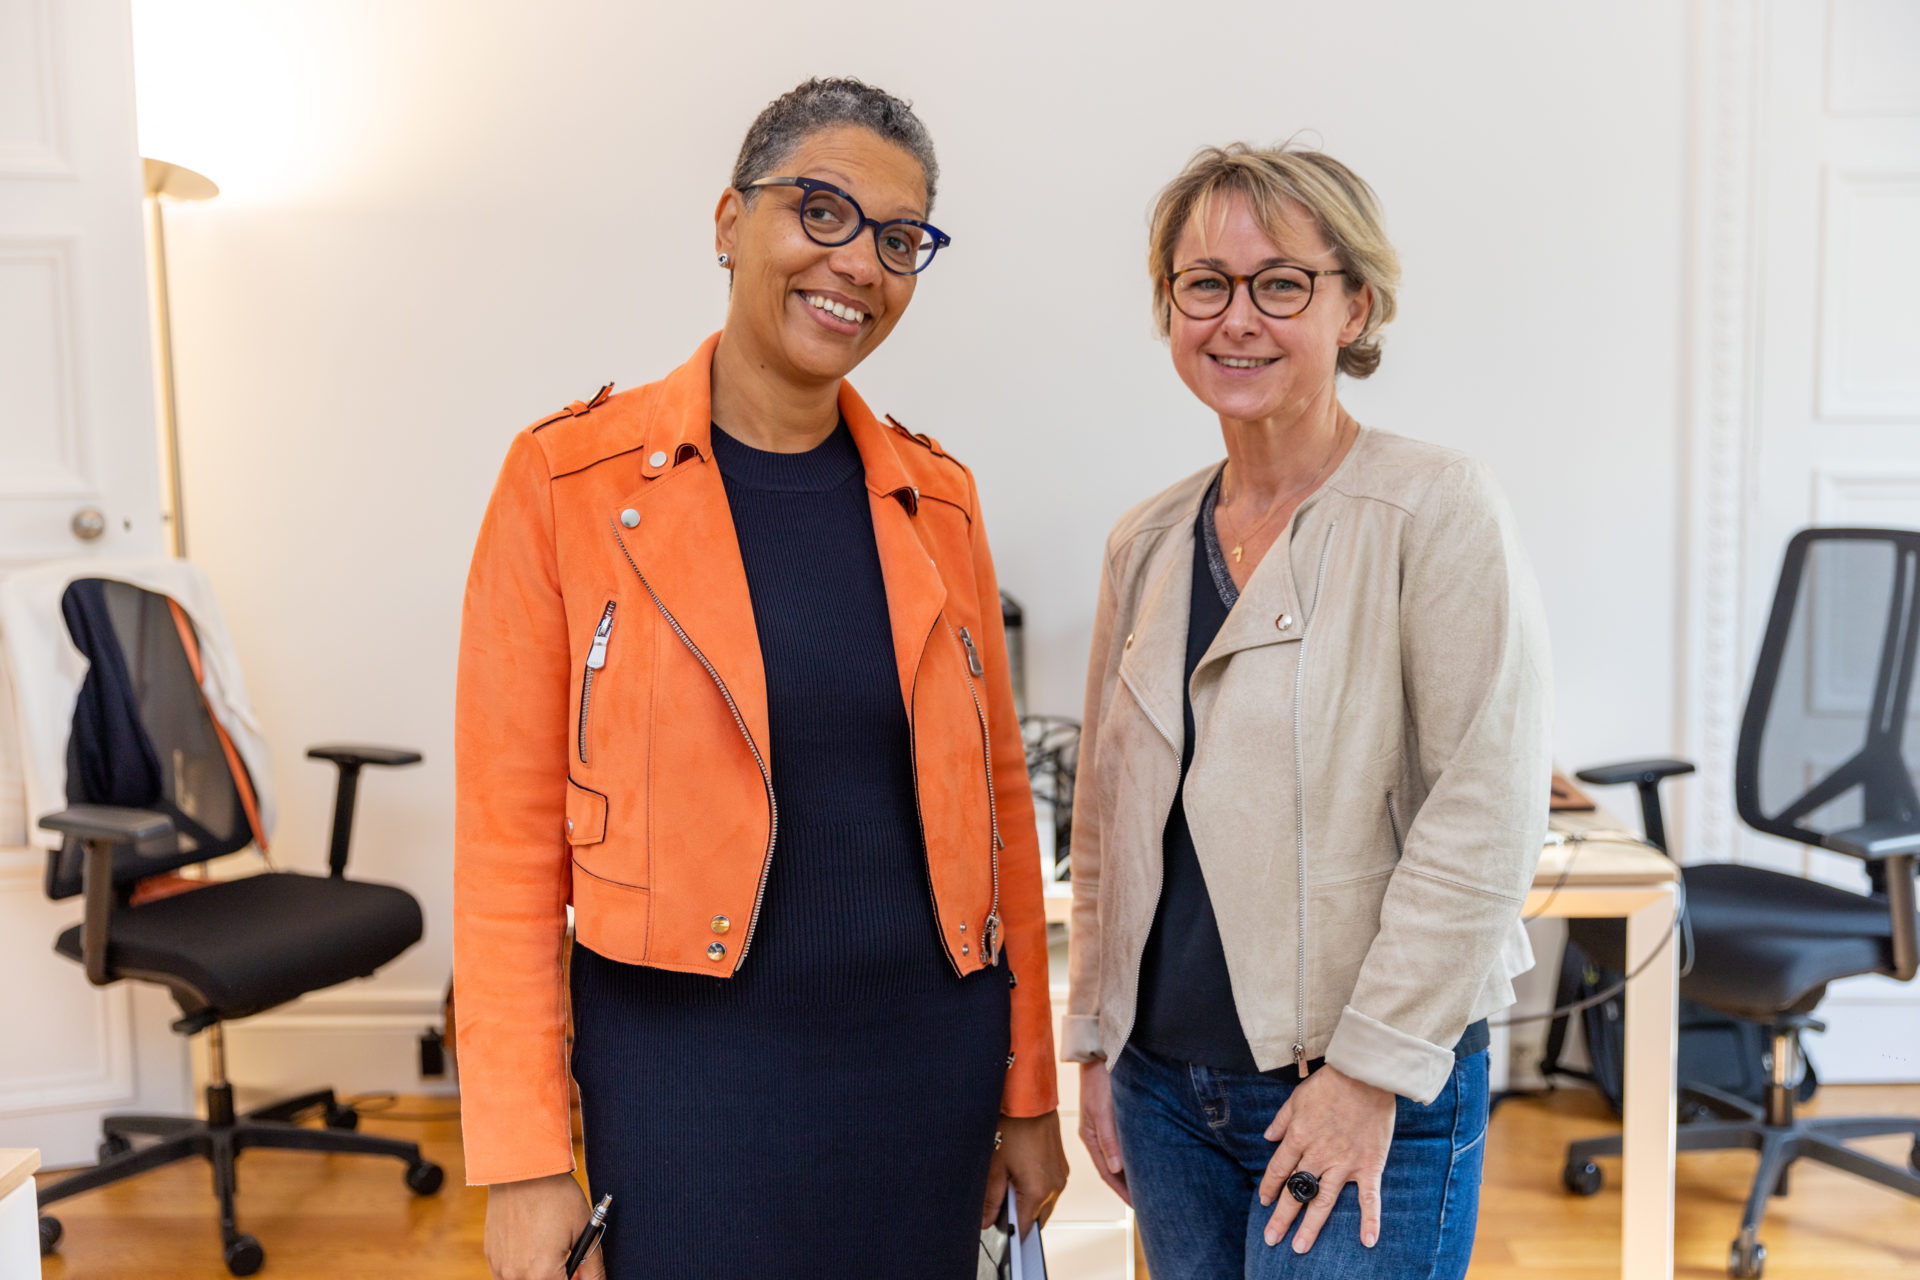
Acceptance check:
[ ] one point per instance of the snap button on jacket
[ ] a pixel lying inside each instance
(611, 740)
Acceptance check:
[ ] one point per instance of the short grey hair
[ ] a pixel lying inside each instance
(806, 109)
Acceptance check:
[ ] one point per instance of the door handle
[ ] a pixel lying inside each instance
(88, 523)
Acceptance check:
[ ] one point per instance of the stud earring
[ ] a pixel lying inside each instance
(724, 259)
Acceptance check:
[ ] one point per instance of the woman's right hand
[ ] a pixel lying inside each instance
(1097, 1130)
(532, 1224)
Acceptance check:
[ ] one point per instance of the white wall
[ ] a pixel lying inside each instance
(443, 220)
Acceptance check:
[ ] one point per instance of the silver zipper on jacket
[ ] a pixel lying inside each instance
(990, 928)
(766, 776)
(596, 659)
(1300, 826)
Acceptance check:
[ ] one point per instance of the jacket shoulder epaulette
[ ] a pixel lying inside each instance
(588, 432)
(577, 408)
(924, 440)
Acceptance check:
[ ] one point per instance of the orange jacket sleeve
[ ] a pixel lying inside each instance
(511, 862)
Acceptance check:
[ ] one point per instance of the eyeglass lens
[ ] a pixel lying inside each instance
(832, 220)
(1280, 292)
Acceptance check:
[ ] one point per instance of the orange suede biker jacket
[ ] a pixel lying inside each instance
(611, 741)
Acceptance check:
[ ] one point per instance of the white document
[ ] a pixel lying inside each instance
(1029, 1261)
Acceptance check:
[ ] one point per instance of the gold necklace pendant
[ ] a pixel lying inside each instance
(1236, 555)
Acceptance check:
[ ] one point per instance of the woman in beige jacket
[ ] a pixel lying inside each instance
(1313, 774)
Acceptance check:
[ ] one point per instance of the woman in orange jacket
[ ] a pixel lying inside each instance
(733, 685)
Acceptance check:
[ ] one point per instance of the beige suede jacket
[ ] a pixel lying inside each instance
(1368, 793)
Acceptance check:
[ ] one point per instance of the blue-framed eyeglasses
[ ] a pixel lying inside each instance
(831, 217)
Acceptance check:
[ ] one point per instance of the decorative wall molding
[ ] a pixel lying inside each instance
(1726, 231)
(1868, 74)
(355, 1039)
(38, 297)
(33, 143)
(109, 1079)
(1868, 329)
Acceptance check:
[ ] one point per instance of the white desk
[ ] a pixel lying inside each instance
(19, 1215)
(1612, 878)
(1618, 878)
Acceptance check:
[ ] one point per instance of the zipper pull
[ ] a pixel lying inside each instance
(973, 654)
(597, 656)
(990, 935)
(1300, 1059)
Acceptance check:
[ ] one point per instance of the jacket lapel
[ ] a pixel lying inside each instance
(685, 544)
(1155, 660)
(916, 592)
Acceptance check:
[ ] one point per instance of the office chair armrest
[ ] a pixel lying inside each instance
(342, 753)
(1875, 841)
(1636, 771)
(349, 759)
(101, 822)
(102, 828)
(1644, 775)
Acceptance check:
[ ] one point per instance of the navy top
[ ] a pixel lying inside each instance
(1185, 1007)
(846, 1052)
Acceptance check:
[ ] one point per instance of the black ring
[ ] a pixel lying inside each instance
(1303, 1186)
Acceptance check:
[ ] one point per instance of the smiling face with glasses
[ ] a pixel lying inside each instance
(825, 255)
(1256, 321)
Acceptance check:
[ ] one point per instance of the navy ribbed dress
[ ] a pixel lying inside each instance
(829, 1110)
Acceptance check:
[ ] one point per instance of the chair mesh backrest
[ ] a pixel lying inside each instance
(1827, 742)
(143, 737)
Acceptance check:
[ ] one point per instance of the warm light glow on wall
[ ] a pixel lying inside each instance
(219, 90)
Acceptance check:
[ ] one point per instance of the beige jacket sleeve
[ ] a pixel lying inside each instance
(1080, 1027)
(1479, 696)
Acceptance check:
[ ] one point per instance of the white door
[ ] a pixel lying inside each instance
(1809, 368)
(77, 443)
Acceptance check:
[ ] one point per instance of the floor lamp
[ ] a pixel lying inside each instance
(167, 182)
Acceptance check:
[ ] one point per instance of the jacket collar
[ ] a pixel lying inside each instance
(686, 542)
(679, 426)
(1272, 608)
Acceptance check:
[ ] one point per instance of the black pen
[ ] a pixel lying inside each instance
(589, 1237)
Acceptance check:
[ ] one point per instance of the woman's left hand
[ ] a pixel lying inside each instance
(1030, 1153)
(1338, 1130)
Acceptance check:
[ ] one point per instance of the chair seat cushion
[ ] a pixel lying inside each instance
(1764, 942)
(243, 946)
(1767, 941)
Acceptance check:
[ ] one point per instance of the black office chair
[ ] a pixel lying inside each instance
(1822, 760)
(156, 787)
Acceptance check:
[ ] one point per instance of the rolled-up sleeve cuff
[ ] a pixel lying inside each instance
(1374, 1053)
(1080, 1038)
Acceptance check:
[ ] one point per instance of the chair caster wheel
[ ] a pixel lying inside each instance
(1582, 1179)
(342, 1117)
(1747, 1260)
(111, 1146)
(50, 1233)
(424, 1179)
(244, 1255)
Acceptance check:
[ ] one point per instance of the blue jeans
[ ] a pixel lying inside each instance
(1192, 1141)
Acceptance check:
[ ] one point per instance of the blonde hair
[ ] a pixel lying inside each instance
(1340, 203)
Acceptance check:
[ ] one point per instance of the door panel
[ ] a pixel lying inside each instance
(77, 438)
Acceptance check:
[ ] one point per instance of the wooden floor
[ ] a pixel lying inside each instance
(352, 1219)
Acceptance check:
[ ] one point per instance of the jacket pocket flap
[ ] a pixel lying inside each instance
(586, 815)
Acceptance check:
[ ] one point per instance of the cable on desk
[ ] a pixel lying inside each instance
(1681, 923)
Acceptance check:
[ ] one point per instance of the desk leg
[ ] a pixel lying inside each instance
(1650, 1104)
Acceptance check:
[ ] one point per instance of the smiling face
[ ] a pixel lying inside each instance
(1243, 364)
(806, 312)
